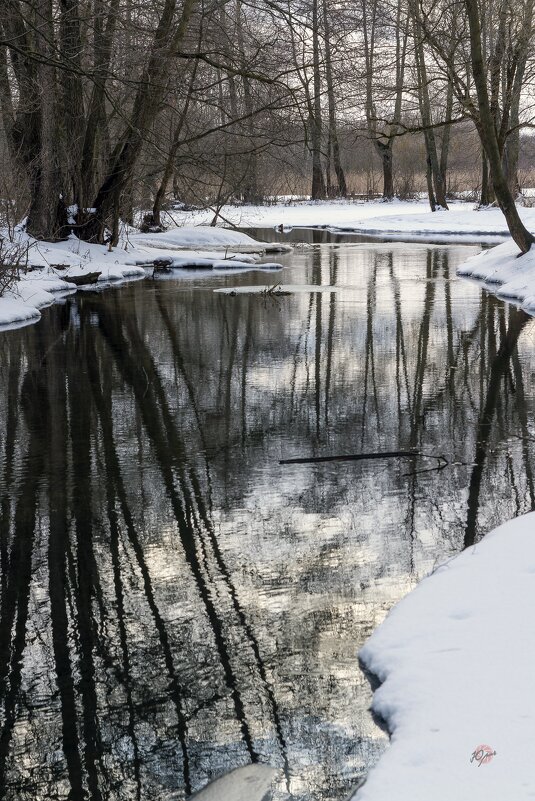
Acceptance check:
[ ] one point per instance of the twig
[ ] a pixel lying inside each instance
(353, 457)
(356, 457)
(443, 462)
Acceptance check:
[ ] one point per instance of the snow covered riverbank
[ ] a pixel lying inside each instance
(195, 245)
(501, 269)
(401, 220)
(505, 273)
(52, 268)
(455, 661)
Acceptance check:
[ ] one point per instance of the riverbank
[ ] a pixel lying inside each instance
(501, 270)
(506, 273)
(193, 244)
(49, 270)
(400, 220)
(455, 690)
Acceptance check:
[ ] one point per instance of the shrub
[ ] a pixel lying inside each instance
(13, 262)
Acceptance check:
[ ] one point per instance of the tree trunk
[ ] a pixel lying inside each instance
(384, 150)
(71, 101)
(318, 183)
(430, 188)
(96, 125)
(334, 146)
(487, 194)
(46, 216)
(169, 169)
(510, 158)
(487, 132)
(383, 141)
(251, 192)
(167, 39)
(439, 193)
(446, 132)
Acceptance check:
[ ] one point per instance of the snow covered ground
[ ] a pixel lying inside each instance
(51, 265)
(410, 220)
(303, 213)
(455, 661)
(505, 273)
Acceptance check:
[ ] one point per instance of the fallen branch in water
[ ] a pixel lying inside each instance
(351, 457)
(356, 457)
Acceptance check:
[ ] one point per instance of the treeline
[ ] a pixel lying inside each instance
(106, 106)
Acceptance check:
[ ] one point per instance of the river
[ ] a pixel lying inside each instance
(174, 601)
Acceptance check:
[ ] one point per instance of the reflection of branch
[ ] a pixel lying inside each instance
(442, 463)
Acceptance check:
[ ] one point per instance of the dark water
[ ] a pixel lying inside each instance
(175, 603)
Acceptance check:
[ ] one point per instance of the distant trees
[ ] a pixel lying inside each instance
(107, 106)
(385, 32)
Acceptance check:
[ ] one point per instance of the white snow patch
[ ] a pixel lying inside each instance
(407, 220)
(21, 304)
(455, 658)
(200, 236)
(303, 213)
(505, 272)
(250, 783)
(51, 264)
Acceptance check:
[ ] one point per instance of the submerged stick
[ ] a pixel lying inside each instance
(352, 457)
(355, 457)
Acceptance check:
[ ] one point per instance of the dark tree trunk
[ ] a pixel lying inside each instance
(96, 125)
(384, 150)
(487, 193)
(334, 146)
(510, 159)
(439, 189)
(318, 182)
(430, 188)
(251, 192)
(46, 215)
(487, 132)
(170, 164)
(71, 101)
(146, 106)
(446, 133)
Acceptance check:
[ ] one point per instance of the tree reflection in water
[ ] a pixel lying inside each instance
(173, 602)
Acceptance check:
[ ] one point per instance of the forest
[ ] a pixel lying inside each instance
(113, 110)
(267, 468)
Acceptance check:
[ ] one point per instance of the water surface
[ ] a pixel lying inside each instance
(175, 603)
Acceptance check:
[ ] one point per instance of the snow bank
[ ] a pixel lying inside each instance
(205, 237)
(407, 220)
(52, 264)
(21, 304)
(213, 261)
(462, 223)
(317, 213)
(456, 661)
(505, 272)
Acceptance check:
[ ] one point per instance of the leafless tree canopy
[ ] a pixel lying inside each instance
(107, 107)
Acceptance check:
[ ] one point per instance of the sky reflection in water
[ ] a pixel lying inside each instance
(174, 603)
